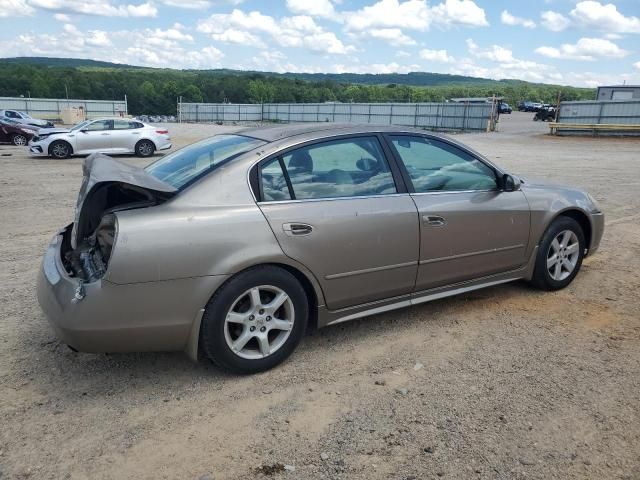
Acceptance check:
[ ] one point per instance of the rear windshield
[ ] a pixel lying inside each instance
(184, 166)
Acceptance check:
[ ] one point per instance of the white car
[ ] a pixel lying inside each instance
(24, 118)
(102, 135)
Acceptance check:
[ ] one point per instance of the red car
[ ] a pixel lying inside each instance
(16, 133)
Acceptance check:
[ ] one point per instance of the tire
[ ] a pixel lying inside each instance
(536, 118)
(283, 327)
(145, 148)
(60, 150)
(567, 233)
(19, 140)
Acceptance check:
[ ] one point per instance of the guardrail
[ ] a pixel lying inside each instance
(593, 128)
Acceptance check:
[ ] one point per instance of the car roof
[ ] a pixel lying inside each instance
(313, 130)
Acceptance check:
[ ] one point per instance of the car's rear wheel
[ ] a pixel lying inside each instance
(255, 320)
(60, 149)
(145, 148)
(19, 140)
(560, 255)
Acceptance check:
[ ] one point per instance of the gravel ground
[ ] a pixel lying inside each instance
(501, 383)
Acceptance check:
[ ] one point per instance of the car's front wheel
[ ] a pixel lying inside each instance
(145, 148)
(19, 140)
(255, 320)
(60, 149)
(560, 254)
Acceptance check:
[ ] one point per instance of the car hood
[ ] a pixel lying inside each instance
(109, 185)
(51, 131)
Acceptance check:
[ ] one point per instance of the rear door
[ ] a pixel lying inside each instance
(95, 137)
(340, 209)
(124, 135)
(469, 228)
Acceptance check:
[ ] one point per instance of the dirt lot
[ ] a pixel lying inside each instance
(501, 383)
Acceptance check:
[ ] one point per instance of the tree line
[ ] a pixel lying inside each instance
(155, 91)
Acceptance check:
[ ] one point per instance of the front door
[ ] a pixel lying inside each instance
(336, 209)
(95, 137)
(469, 228)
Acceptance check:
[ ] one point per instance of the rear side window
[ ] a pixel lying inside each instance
(184, 166)
(352, 167)
(433, 165)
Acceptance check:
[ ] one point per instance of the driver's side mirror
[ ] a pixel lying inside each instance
(510, 183)
(84, 130)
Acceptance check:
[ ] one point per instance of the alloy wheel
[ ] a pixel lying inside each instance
(19, 140)
(145, 149)
(60, 150)
(563, 255)
(259, 322)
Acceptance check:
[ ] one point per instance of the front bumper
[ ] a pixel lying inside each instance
(597, 230)
(37, 150)
(150, 316)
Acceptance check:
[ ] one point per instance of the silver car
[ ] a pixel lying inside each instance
(25, 118)
(101, 135)
(232, 247)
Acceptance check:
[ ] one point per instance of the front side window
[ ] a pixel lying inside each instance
(434, 165)
(340, 168)
(99, 125)
(186, 165)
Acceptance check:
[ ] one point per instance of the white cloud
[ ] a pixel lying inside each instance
(15, 8)
(436, 56)
(592, 14)
(554, 21)
(402, 53)
(393, 36)
(584, 49)
(637, 65)
(495, 53)
(152, 47)
(97, 7)
(315, 8)
(189, 4)
(415, 15)
(463, 12)
(509, 19)
(62, 17)
(291, 32)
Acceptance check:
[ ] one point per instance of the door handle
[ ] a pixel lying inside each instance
(105, 134)
(297, 229)
(434, 220)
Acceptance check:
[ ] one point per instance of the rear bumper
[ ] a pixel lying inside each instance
(150, 316)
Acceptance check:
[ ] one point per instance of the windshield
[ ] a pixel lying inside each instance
(189, 163)
(80, 125)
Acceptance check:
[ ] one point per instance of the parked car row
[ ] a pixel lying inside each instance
(156, 118)
(533, 106)
(103, 135)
